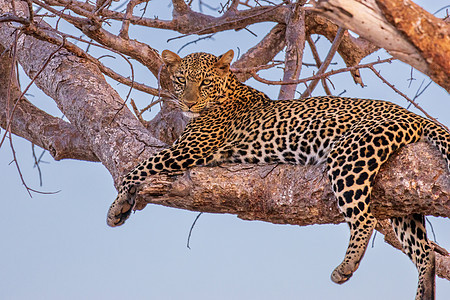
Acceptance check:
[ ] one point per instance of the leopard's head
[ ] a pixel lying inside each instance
(199, 79)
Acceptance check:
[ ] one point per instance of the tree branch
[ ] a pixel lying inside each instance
(370, 19)
(334, 46)
(60, 138)
(126, 22)
(263, 52)
(318, 61)
(189, 22)
(186, 21)
(430, 35)
(351, 49)
(167, 125)
(415, 179)
(92, 28)
(318, 76)
(295, 43)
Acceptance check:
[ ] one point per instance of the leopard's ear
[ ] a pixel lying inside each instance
(223, 64)
(172, 60)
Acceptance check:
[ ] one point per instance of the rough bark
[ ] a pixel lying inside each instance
(301, 194)
(295, 43)
(60, 138)
(167, 125)
(430, 35)
(404, 29)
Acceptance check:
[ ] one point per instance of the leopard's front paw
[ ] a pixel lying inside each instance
(121, 208)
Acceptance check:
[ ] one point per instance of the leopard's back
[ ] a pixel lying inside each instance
(301, 131)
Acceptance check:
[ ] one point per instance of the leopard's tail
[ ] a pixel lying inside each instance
(439, 137)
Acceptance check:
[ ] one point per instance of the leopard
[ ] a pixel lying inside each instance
(231, 122)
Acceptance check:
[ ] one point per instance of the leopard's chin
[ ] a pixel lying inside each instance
(191, 114)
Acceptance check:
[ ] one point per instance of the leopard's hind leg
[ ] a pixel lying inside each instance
(353, 195)
(352, 166)
(411, 232)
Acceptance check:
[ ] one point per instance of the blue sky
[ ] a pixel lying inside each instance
(59, 246)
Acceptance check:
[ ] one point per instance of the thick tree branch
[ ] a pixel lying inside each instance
(167, 125)
(60, 138)
(430, 35)
(414, 180)
(410, 36)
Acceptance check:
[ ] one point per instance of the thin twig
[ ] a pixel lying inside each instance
(137, 112)
(336, 42)
(373, 239)
(126, 22)
(324, 75)
(153, 103)
(36, 164)
(406, 97)
(316, 57)
(40, 33)
(195, 41)
(420, 92)
(432, 230)
(16, 162)
(190, 231)
(9, 115)
(236, 21)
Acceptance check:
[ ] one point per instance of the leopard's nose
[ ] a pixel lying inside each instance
(190, 104)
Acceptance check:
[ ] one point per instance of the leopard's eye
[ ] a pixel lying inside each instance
(206, 82)
(180, 79)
